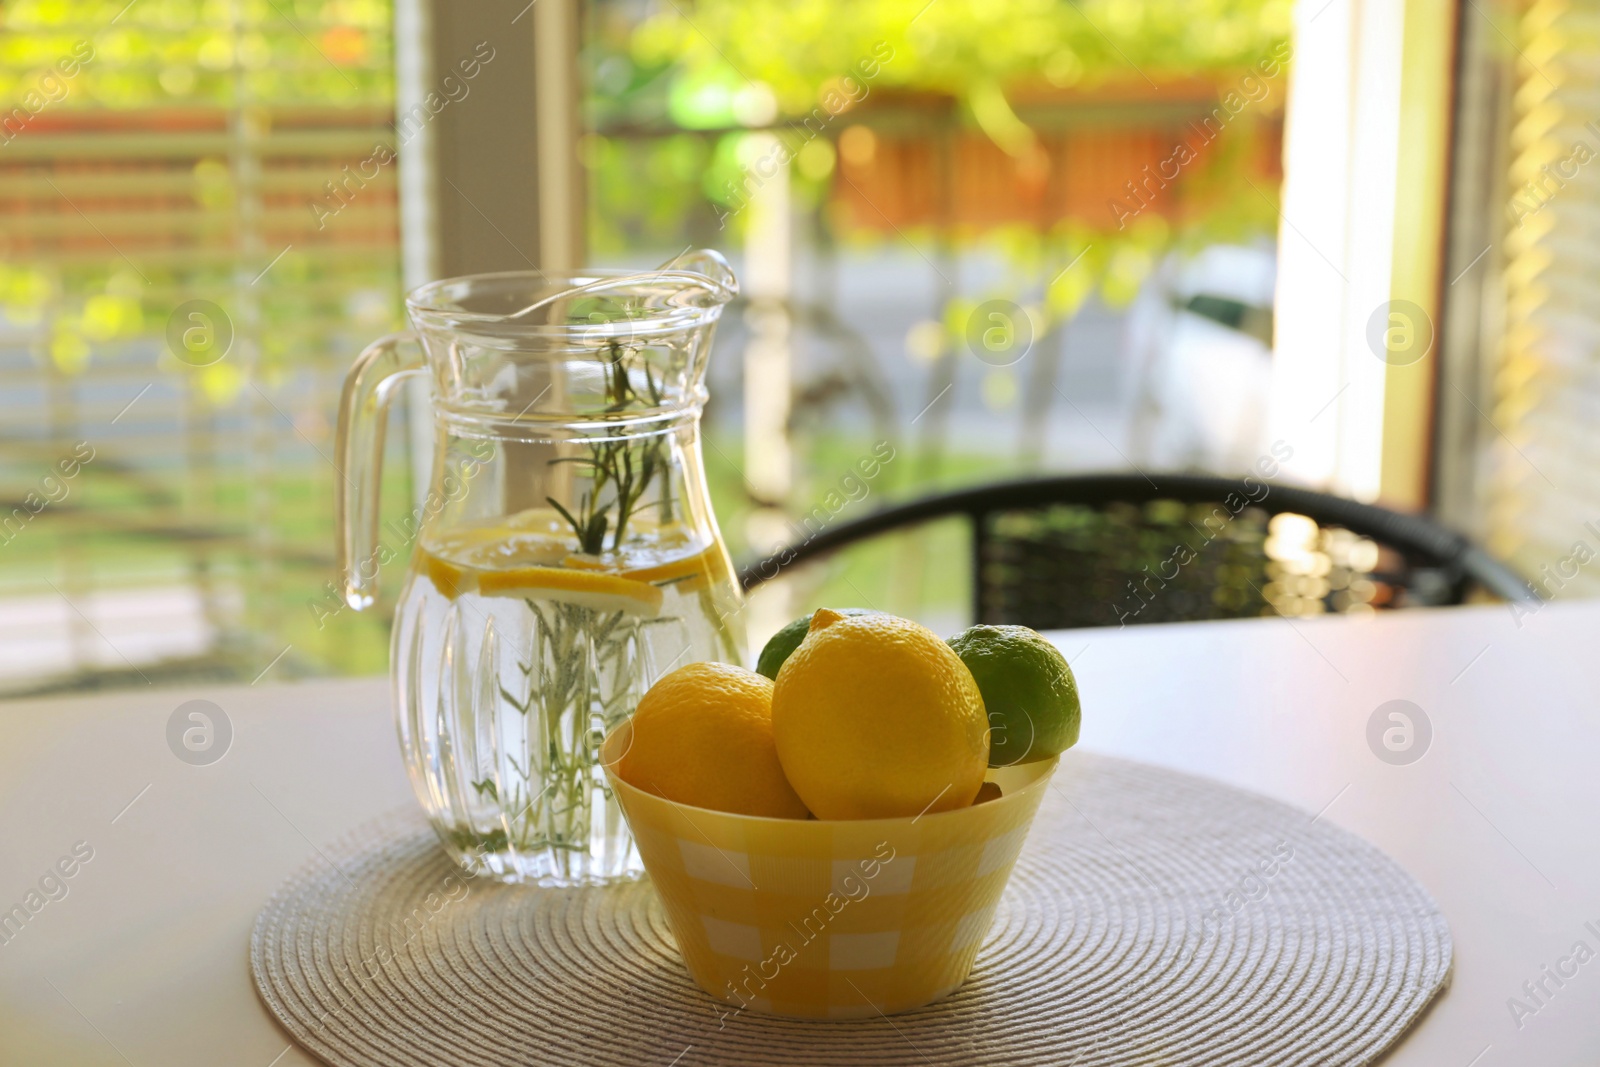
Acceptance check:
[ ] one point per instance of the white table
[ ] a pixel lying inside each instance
(143, 962)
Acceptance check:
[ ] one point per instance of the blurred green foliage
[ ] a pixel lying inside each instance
(674, 89)
(249, 59)
(155, 52)
(955, 47)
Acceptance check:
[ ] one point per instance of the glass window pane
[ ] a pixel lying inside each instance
(199, 235)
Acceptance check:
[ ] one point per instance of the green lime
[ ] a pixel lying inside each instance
(1028, 691)
(786, 640)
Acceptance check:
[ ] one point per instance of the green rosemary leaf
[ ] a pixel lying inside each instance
(577, 529)
(603, 631)
(594, 537)
(486, 788)
(619, 374)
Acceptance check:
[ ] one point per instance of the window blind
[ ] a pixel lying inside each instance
(185, 274)
(1543, 497)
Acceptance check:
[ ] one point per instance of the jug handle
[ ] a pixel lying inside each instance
(380, 370)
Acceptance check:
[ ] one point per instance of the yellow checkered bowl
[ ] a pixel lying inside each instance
(830, 919)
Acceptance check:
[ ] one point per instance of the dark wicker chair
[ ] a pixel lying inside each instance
(1110, 550)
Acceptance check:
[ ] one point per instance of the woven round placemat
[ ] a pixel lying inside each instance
(1154, 918)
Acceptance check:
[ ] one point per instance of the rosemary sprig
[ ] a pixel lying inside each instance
(586, 668)
(591, 529)
(627, 467)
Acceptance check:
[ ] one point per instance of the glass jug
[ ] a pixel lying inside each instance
(567, 555)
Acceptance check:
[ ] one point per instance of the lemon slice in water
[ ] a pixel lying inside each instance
(530, 554)
(590, 589)
(450, 579)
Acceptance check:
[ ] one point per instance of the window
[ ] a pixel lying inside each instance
(1052, 253)
(1517, 411)
(188, 269)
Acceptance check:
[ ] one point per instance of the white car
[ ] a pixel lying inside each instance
(1199, 345)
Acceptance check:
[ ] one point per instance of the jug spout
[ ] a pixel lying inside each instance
(701, 270)
(545, 347)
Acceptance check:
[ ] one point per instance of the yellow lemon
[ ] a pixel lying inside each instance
(703, 736)
(875, 717)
